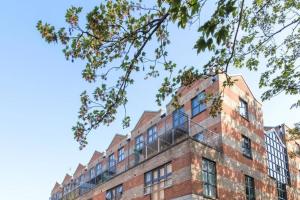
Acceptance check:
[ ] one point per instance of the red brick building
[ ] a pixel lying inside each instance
(186, 154)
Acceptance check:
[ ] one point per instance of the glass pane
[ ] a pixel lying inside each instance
(211, 179)
(211, 167)
(205, 190)
(204, 177)
(162, 172)
(169, 168)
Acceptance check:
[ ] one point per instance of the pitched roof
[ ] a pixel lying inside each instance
(78, 170)
(244, 82)
(117, 139)
(67, 179)
(95, 157)
(146, 116)
(55, 188)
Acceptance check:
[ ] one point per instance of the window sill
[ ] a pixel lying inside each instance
(245, 118)
(208, 197)
(247, 156)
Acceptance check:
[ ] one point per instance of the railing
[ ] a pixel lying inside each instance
(169, 133)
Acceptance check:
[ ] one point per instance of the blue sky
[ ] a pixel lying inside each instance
(39, 100)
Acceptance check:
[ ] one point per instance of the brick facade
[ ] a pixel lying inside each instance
(188, 143)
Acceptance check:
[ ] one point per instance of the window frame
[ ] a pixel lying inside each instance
(139, 142)
(160, 178)
(153, 136)
(114, 192)
(281, 190)
(249, 187)
(246, 147)
(121, 154)
(178, 119)
(200, 106)
(207, 182)
(245, 103)
(113, 160)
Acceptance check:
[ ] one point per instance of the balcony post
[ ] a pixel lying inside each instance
(158, 144)
(189, 126)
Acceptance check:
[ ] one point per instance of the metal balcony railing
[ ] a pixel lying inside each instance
(169, 133)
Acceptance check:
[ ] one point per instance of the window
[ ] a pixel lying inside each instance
(250, 188)
(121, 154)
(246, 146)
(278, 167)
(92, 173)
(198, 104)
(157, 180)
(114, 193)
(243, 108)
(152, 135)
(139, 142)
(98, 169)
(209, 178)
(111, 160)
(179, 118)
(281, 190)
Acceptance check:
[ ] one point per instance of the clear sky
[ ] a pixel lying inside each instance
(39, 100)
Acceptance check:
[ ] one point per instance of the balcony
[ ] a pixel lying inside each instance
(169, 133)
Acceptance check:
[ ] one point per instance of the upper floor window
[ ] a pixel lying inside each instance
(198, 104)
(111, 160)
(92, 173)
(277, 157)
(158, 179)
(179, 118)
(151, 135)
(121, 154)
(139, 142)
(246, 146)
(98, 169)
(243, 108)
(250, 188)
(114, 193)
(209, 178)
(281, 191)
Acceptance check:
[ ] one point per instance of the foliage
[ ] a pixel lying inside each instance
(115, 34)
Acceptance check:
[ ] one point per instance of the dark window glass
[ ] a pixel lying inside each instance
(121, 154)
(139, 142)
(98, 169)
(151, 135)
(92, 173)
(281, 190)
(250, 188)
(209, 178)
(114, 193)
(243, 108)
(198, 104)
(246, 147)
(277, 158)
(111, 160)
(179, 118)
(160, 176)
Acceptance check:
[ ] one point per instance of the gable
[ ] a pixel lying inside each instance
(97, 155)
(146, 117)
(242, 84)
(78, 170)
(116, 140)
(56, 188)
(67, 179)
